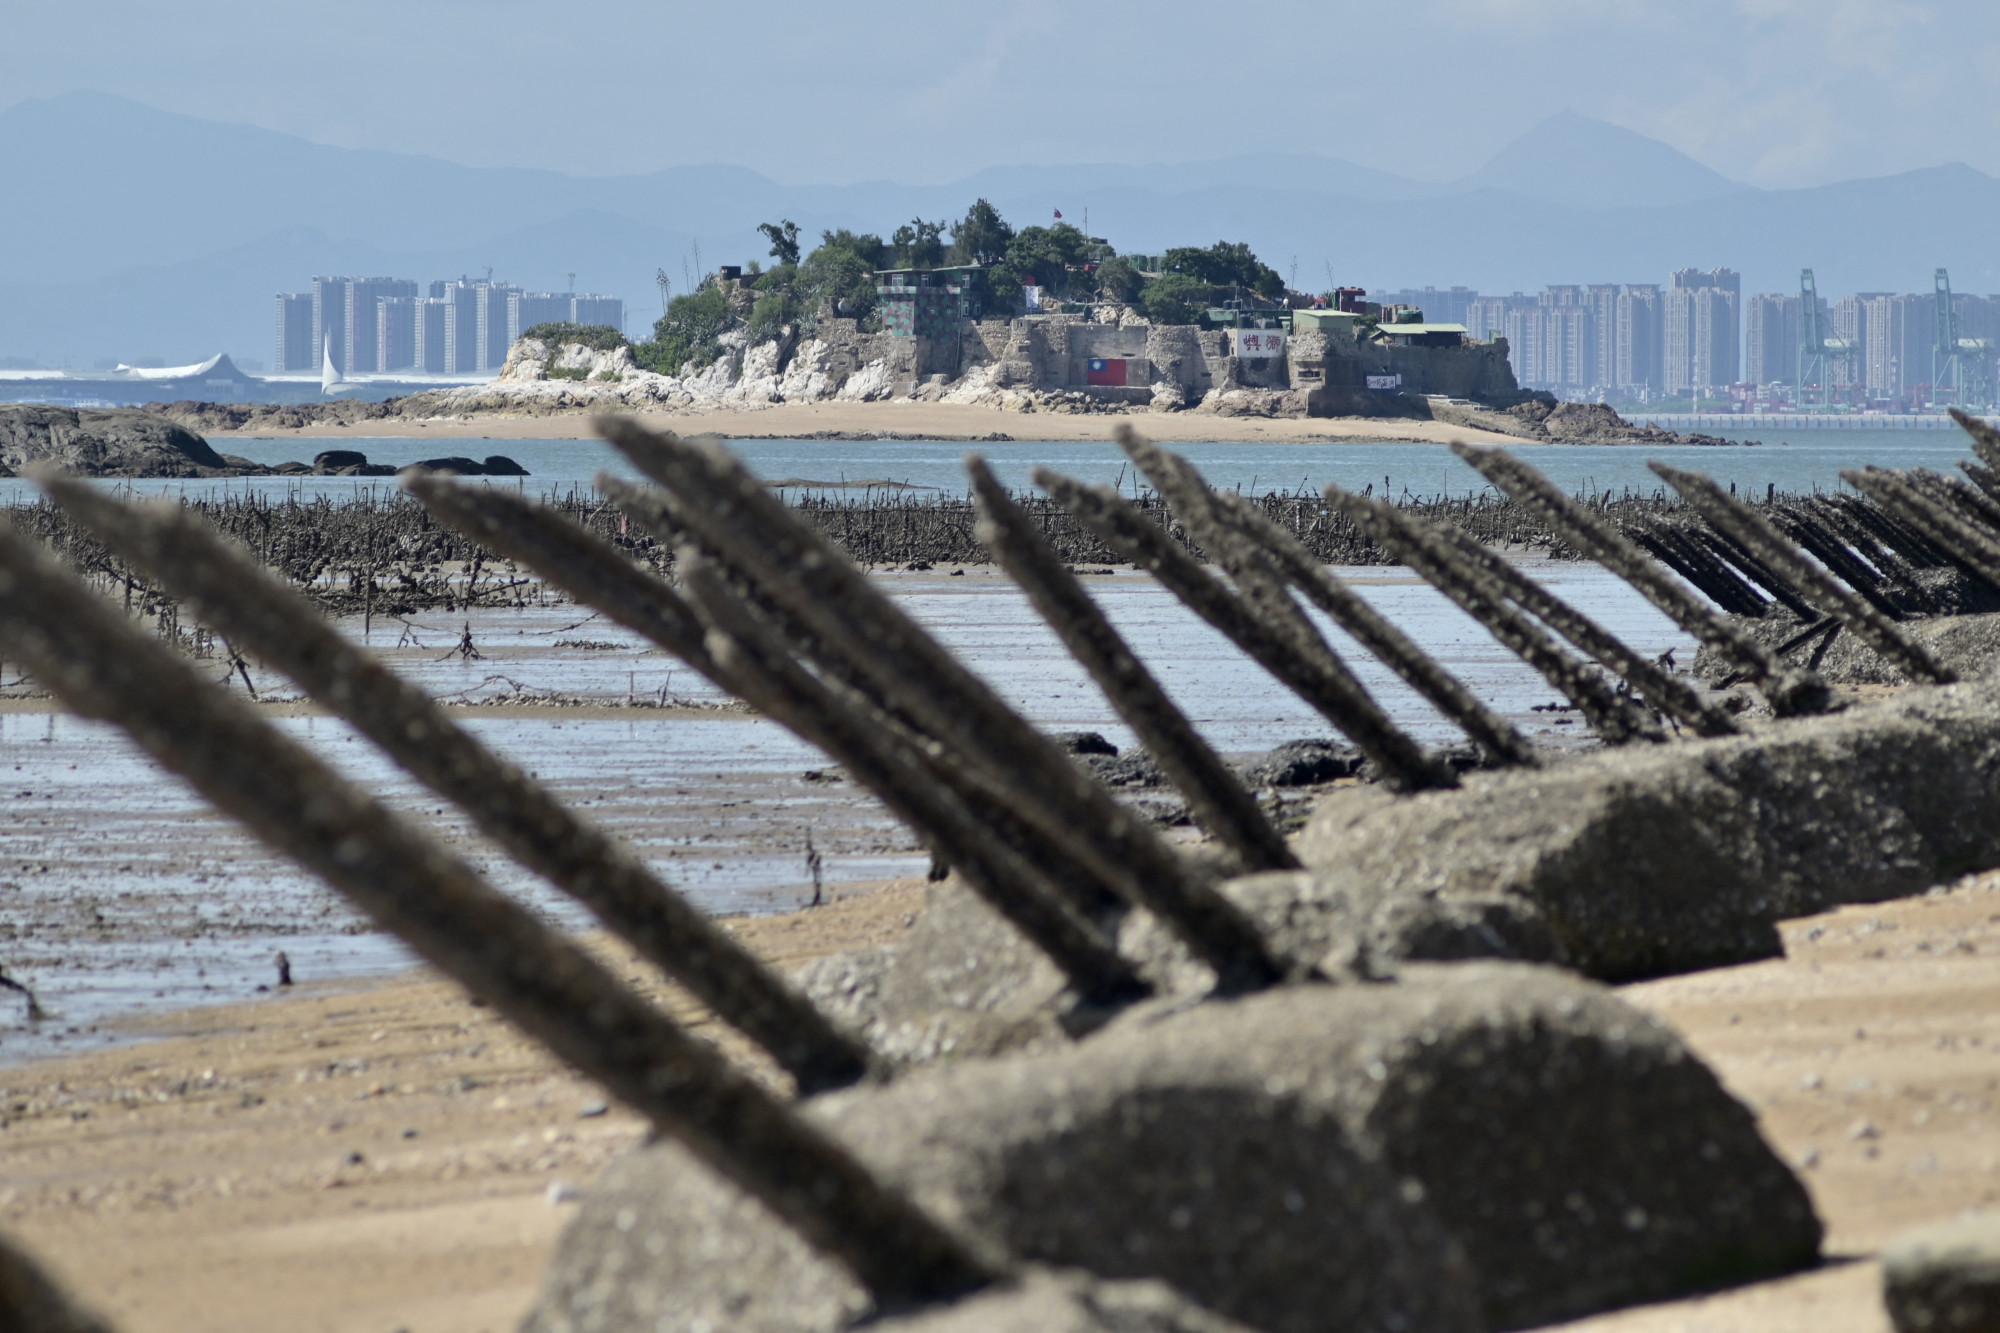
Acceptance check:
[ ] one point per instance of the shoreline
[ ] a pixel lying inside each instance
(353, 1157)
(915, 421)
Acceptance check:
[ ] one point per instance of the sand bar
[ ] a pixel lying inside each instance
(357, 1160)
(931, 421)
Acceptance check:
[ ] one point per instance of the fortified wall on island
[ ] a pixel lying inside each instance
(1338, 370)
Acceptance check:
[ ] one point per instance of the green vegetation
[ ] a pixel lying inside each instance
(837, 280)
(597, 337)
(688, 334)
(1227, 267)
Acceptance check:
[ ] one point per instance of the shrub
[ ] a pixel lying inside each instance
(686, 335)
(1174, 298)
(597, 337)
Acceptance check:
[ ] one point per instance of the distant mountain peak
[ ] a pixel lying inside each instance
(1582, 162)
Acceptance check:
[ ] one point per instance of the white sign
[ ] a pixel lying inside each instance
(1259, 342)
(1384, 381)
(1031, 297)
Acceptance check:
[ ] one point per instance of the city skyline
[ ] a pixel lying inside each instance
(369, 326)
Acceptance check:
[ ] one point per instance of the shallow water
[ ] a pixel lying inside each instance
(120, 891)
(1791, 460)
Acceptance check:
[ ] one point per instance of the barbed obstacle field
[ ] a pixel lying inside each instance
(1360, 1078)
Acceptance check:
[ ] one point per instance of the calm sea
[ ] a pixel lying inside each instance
(1799, 460)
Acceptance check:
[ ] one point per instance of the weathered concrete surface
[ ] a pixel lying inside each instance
(1945, 1278)
(120, 443)
(963, 984)
(1067, 1302)
(31, 1302)
(1640, 862)
(1483, 1145)
(1968, 644)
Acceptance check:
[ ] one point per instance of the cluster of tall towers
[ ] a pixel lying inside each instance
(376, 326)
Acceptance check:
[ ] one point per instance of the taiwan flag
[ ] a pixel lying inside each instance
(1109, 372)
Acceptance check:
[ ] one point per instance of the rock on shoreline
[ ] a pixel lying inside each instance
(115, 443)
(135, 444)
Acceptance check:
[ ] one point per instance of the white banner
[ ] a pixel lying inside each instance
(1259, 342)
(1384, 381)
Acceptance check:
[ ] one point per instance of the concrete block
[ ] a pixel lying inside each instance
(1655, 859)
(1476, 1146)
(1068, 1302)
(1945, 1278)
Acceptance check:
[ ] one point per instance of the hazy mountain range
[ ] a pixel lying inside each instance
(134, 232)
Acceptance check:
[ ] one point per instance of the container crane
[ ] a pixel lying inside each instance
(1818, 354)
(1959, 366)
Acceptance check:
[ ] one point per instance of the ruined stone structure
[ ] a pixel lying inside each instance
(1130, 360)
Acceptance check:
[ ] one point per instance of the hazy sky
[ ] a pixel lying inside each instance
(1774, 92)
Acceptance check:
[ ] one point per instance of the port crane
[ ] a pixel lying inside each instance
(1960, 367)
(1819, 355)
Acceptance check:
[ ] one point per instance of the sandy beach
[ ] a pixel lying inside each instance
(930, 421)
(355, 1160)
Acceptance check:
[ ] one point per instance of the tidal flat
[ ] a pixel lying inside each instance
(122, 895)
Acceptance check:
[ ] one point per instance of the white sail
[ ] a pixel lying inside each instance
(329, 374)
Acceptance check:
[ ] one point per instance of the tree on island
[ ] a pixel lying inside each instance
(837, 280)
(784, 239)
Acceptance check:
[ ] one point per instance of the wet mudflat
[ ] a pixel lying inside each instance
(122, 895)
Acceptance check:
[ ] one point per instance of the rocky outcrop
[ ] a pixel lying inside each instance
(122, 443)
(1542, 419)
(354, 463)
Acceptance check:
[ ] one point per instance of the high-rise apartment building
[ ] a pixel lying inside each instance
(491, 339)
(295, 350)
(527, 309)
(396, 333)
(430, 332)
(1635, 365)
(459, 324)
(1486, 316)
(610, 310)
(1700, 328)
(361, 296)
(329, 321)
(1441, 305)
(1850, 325)
(1772, 328)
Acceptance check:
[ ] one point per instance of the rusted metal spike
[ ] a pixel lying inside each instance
(1219, 801)
(1977, 506)
(1985, 439)
(1057, 851)
(997, 859)
(1373, 631)
(1262, 584)
(224, 588)
(1694, 562)
(1790, 692)
(1419, 546)
(1749, 528)
(103, 667)
(730, 511)
(1667, 693)
(1978, 552)
(1833, 553)
(1723, 547)
(884, 757)
(1985, 478)
(1264, 593)
(1335, 696)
